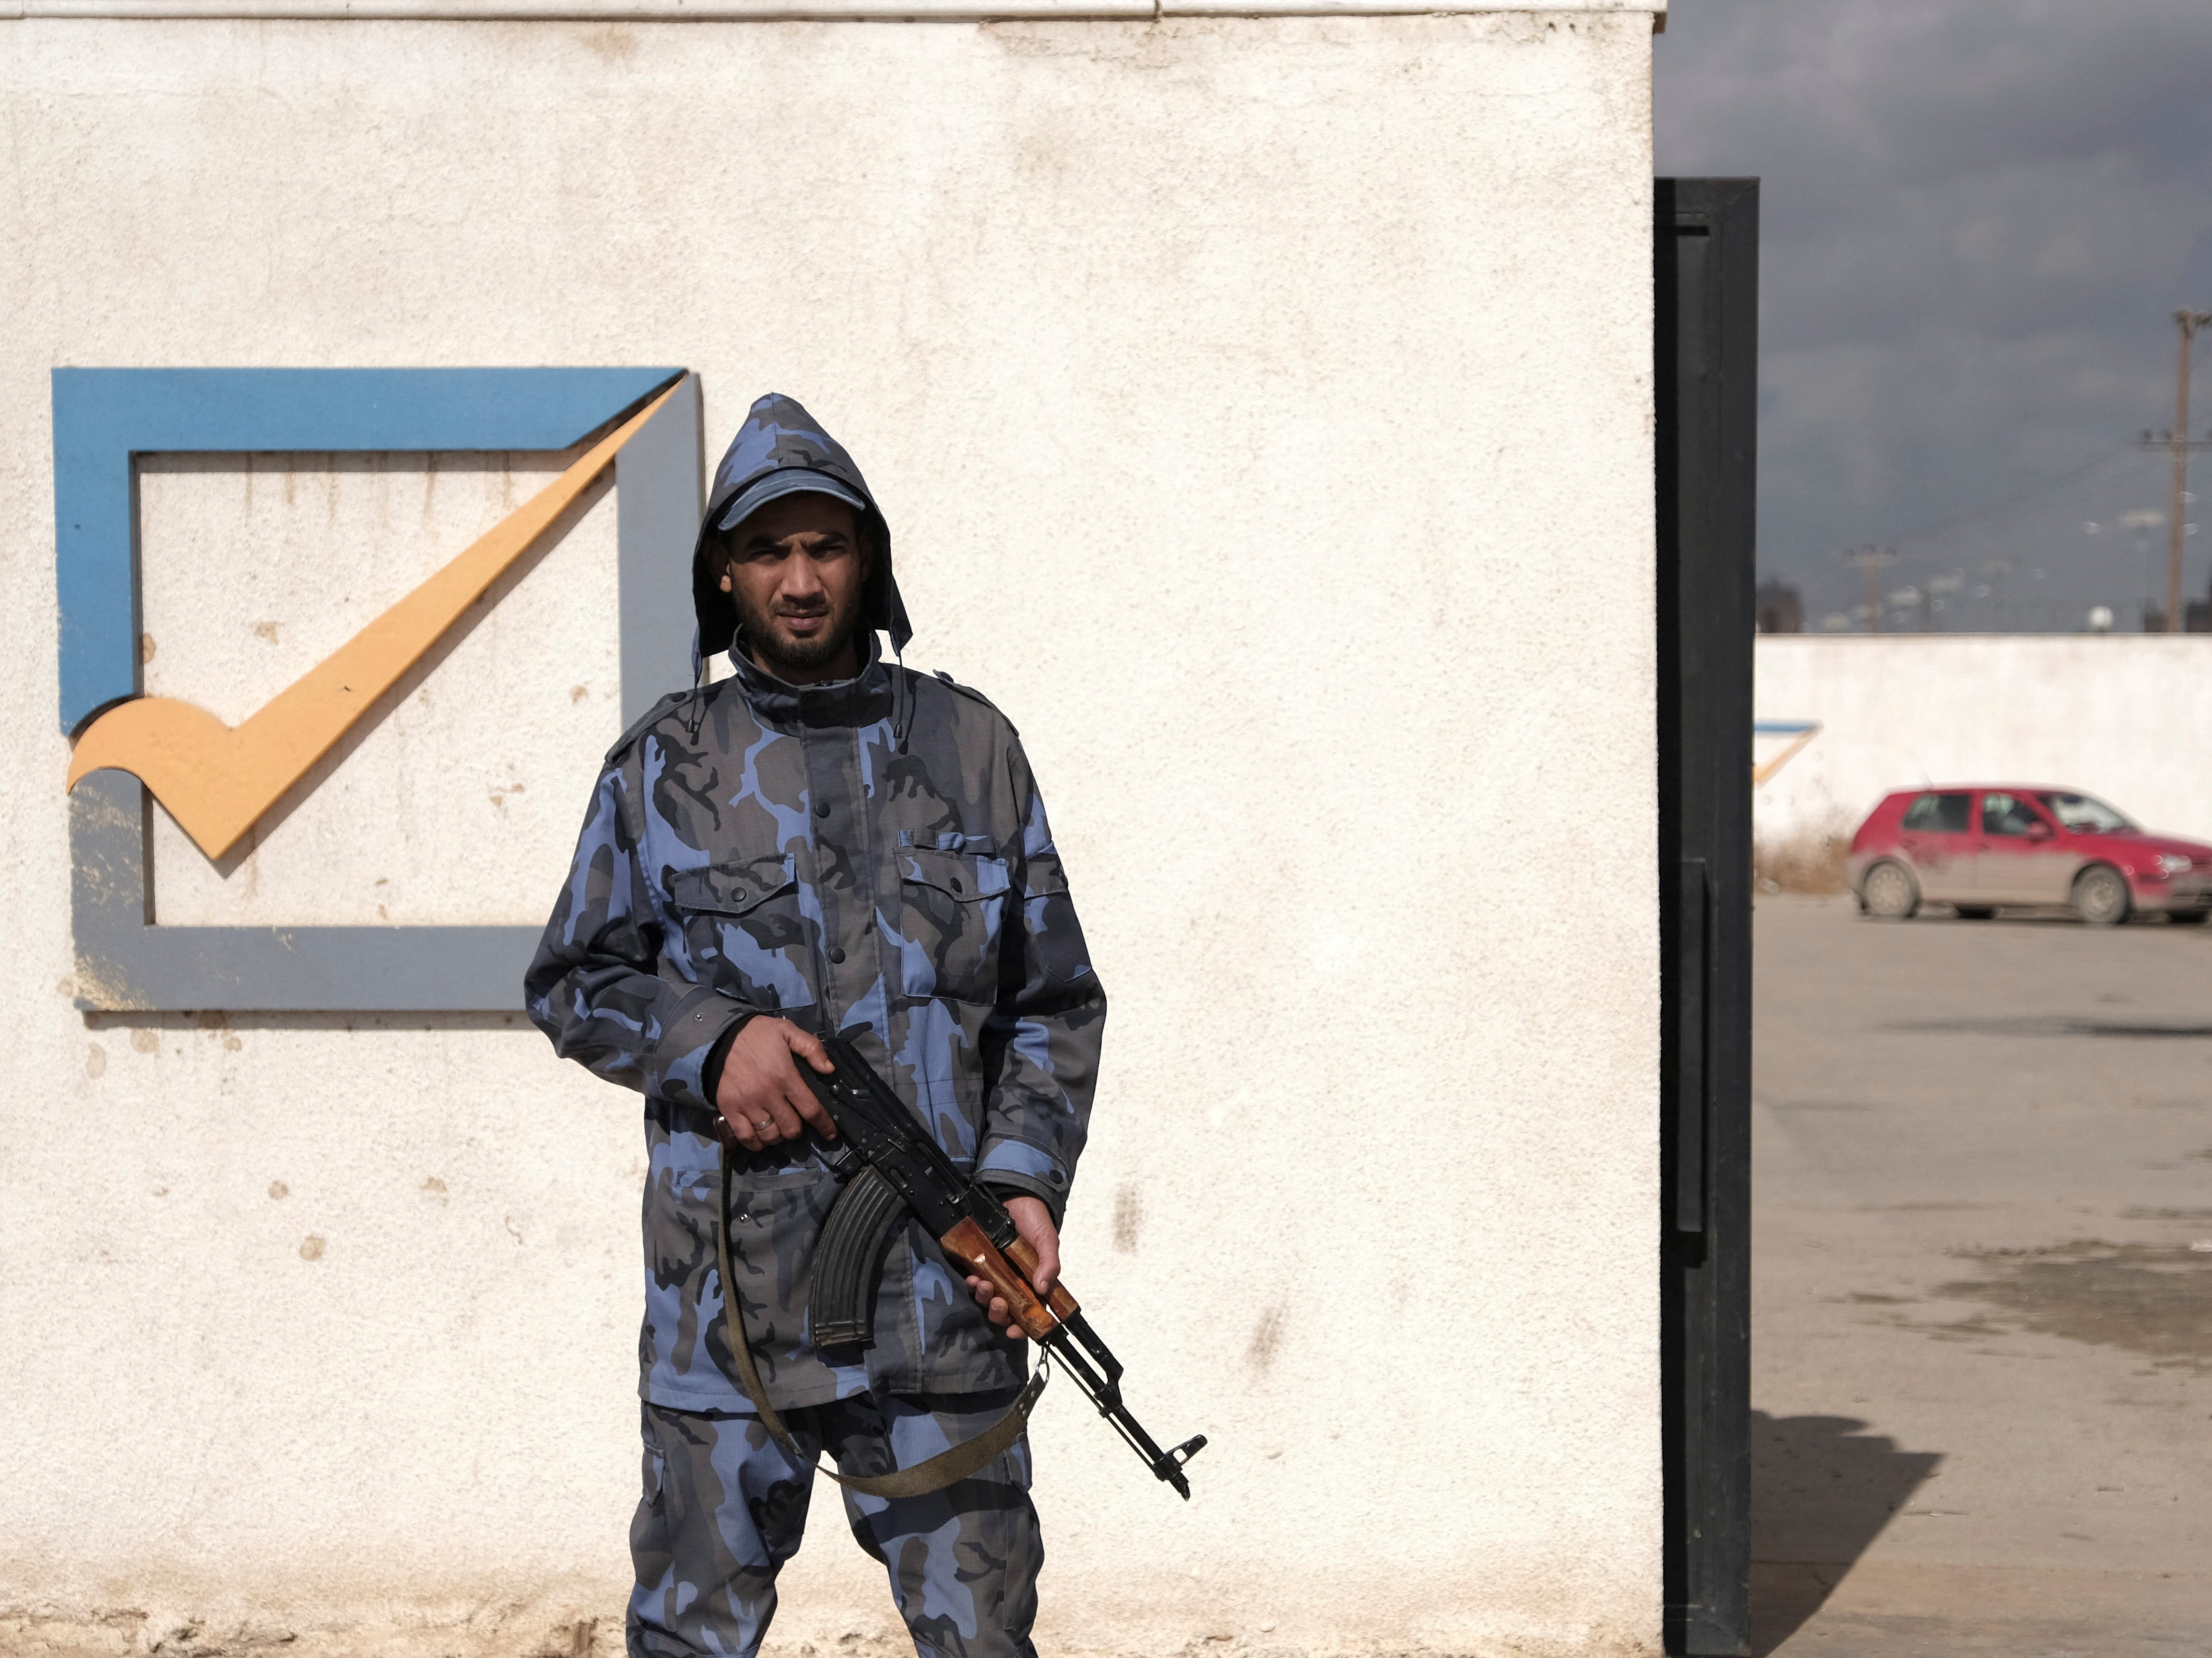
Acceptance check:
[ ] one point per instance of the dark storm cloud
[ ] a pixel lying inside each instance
(1977, 220)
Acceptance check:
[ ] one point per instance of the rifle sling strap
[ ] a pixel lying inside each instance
(932, 1475)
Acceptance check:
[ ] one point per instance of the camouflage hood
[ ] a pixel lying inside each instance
(782, 450)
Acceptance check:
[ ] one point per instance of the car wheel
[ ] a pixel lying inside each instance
(2101, 897)
(1889, 892)
(1973, 912)
(2188, 917)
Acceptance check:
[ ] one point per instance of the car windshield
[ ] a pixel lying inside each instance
(2085, 814)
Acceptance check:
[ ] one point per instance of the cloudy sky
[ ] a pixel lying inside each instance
(1978, 218)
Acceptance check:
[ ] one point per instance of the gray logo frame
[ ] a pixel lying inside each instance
(128, 964)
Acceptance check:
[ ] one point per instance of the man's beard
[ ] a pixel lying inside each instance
(775, 650)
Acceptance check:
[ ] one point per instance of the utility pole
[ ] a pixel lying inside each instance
(2143, 521)
(1997, 570)
(2190, 321)
(1870, 559)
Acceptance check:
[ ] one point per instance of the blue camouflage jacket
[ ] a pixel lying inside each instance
(870, 852)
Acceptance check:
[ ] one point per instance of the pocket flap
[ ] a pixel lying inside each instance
(964, 877)
(733, 889)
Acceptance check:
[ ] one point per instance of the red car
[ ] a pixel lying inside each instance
(1975, 847)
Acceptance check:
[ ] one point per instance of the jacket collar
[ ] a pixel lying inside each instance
(859, 701)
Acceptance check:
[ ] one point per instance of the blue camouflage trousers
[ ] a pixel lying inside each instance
(725, 1507)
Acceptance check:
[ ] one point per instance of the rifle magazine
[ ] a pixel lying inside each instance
(848, 1260)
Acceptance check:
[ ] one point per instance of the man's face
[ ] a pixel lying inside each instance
(795, 570)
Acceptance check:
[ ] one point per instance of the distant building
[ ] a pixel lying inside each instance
(1780, 609)
(2195, 615)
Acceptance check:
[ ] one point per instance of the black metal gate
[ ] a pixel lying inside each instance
(1707, 355)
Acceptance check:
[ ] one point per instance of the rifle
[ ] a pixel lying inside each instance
(890, 1168)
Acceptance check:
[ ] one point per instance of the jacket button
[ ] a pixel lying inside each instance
(956, 884)
(837, 956)
(821, 808)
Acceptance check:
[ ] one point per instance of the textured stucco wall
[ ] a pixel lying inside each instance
(2120, 717)
(1245, 395)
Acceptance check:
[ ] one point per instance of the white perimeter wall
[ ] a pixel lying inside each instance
(1241, 391)
(2122, 717)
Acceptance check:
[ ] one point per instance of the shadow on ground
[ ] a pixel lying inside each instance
(2138, 1030)
(1822, 1488)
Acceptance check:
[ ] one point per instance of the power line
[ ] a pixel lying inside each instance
(1930, 532)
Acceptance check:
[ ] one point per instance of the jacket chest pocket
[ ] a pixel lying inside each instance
(953, 907)
(744, 930)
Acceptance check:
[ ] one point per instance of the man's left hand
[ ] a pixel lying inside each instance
(1034, 1222)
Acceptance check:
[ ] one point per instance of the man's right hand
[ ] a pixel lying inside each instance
(761, 1094)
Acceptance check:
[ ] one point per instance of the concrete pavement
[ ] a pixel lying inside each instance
(1983, 1339)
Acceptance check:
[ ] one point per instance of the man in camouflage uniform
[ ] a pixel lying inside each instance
(821, 840)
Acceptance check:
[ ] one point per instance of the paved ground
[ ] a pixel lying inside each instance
(1983, 1339)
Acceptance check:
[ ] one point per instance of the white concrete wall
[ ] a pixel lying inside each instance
(1243, 391)
(2122, 717)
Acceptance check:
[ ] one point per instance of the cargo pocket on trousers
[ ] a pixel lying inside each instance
(650, 1551)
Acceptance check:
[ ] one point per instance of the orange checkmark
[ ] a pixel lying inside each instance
(217, 780)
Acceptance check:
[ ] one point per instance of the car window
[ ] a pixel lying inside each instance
(2007, 814)
(1937, 814)
(2085, 814)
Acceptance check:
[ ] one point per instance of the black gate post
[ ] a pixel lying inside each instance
(1706, 323)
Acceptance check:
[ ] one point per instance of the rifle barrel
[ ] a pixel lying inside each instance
(1106, 1395)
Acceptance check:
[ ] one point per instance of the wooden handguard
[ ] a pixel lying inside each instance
(1008, 1274)
(1025, 1261)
